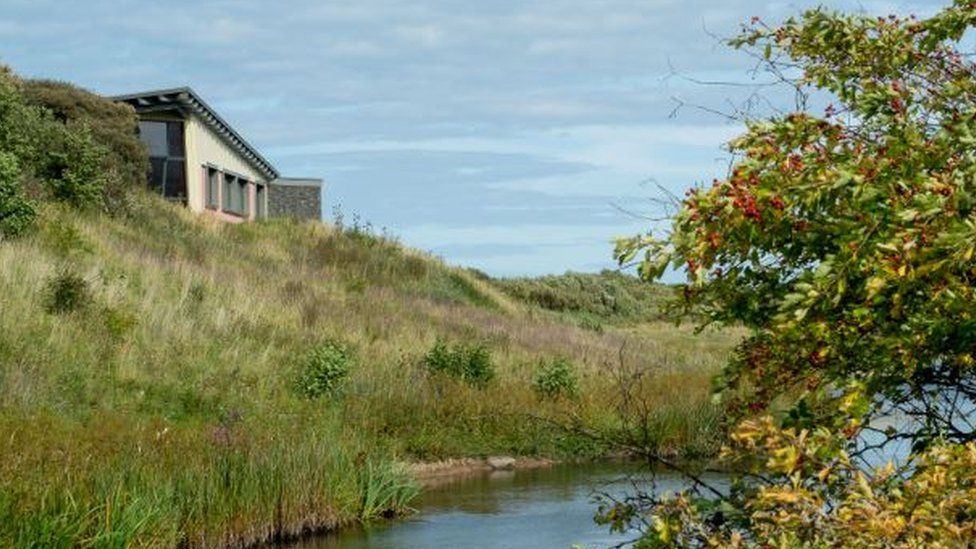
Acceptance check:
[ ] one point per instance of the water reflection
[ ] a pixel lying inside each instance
(549, 507)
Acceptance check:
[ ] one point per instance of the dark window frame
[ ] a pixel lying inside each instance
(165, 186)
(212, 187)
(260, 201)
(236, 196)
(243, 188)
(227, 185)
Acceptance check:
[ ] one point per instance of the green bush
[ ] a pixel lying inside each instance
(17, 213)
(64, 238)
(72, 170)
(323, 369)
(118, 322)
(20, 124)
(67, 292)
(124, 161)
(67, 144)
(555, 379)
(18, 143)
(469, 363)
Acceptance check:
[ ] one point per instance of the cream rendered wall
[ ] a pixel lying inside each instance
(205, 147)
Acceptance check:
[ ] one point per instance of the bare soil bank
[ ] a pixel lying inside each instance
(431, 474)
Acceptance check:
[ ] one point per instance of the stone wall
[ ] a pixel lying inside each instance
(294, 199)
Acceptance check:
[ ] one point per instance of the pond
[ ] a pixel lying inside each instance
(547, 507)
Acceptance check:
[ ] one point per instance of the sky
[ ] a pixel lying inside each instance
(519, 138)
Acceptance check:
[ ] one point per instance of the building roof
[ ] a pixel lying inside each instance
(186, 99)
(297, 182)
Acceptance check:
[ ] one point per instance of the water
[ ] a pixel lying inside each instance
(549, 507)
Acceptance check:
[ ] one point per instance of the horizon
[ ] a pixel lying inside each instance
(512, 138)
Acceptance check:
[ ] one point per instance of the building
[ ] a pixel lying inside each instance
(198, 159)
(295, 197)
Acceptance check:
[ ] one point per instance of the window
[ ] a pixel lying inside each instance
(260, 201)
(213, 188)
(167, 157)
(153, 134)
(242, 197)
(230, 183)
(235, 195)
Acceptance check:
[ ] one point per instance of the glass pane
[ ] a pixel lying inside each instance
(244, 198)
(175, 180)
(157, 168)
(212, 186)
(259, 201)
(153, 134)
(228, 182)
(174, 137)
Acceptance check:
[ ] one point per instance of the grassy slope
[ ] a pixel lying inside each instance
(592, 300)
(165, 410)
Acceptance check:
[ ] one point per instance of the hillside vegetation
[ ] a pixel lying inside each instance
(168, 379)
(592, 300)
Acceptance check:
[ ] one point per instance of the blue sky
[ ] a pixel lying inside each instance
(515, 137)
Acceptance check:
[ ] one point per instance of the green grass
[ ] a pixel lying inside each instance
(166, 410)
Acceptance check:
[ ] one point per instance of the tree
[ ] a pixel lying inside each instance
(845, 241)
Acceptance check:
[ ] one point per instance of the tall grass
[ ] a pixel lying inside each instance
(592, 300)
(165, 410)
(212, 486)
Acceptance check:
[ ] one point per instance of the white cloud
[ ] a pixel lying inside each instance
(427, 36)
(573, 95)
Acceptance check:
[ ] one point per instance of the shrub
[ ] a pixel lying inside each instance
(843, 241)
(17, 214)
(589, 323)
(323, 369)
(65, 239)
(195, 296)
(118, 322)
(555, 379)
(17, 141)
(469, 363)
(20, 124)
(66, 292)
(113, 126)
(72, 171)
(66, 143)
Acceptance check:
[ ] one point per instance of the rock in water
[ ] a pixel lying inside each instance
(501, 462)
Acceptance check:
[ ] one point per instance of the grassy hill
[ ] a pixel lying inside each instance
(592, 300)
(168, 379)
(164, 403)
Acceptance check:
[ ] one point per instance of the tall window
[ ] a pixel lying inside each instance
(167, 156)
(260, 201)
(213, 188)
(230, 184)
(235, 195)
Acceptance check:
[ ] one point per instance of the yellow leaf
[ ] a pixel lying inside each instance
(874, 285)
(784, 459)
(862, 483)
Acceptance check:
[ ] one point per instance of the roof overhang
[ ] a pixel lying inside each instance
(187, 101)
(297, 182)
